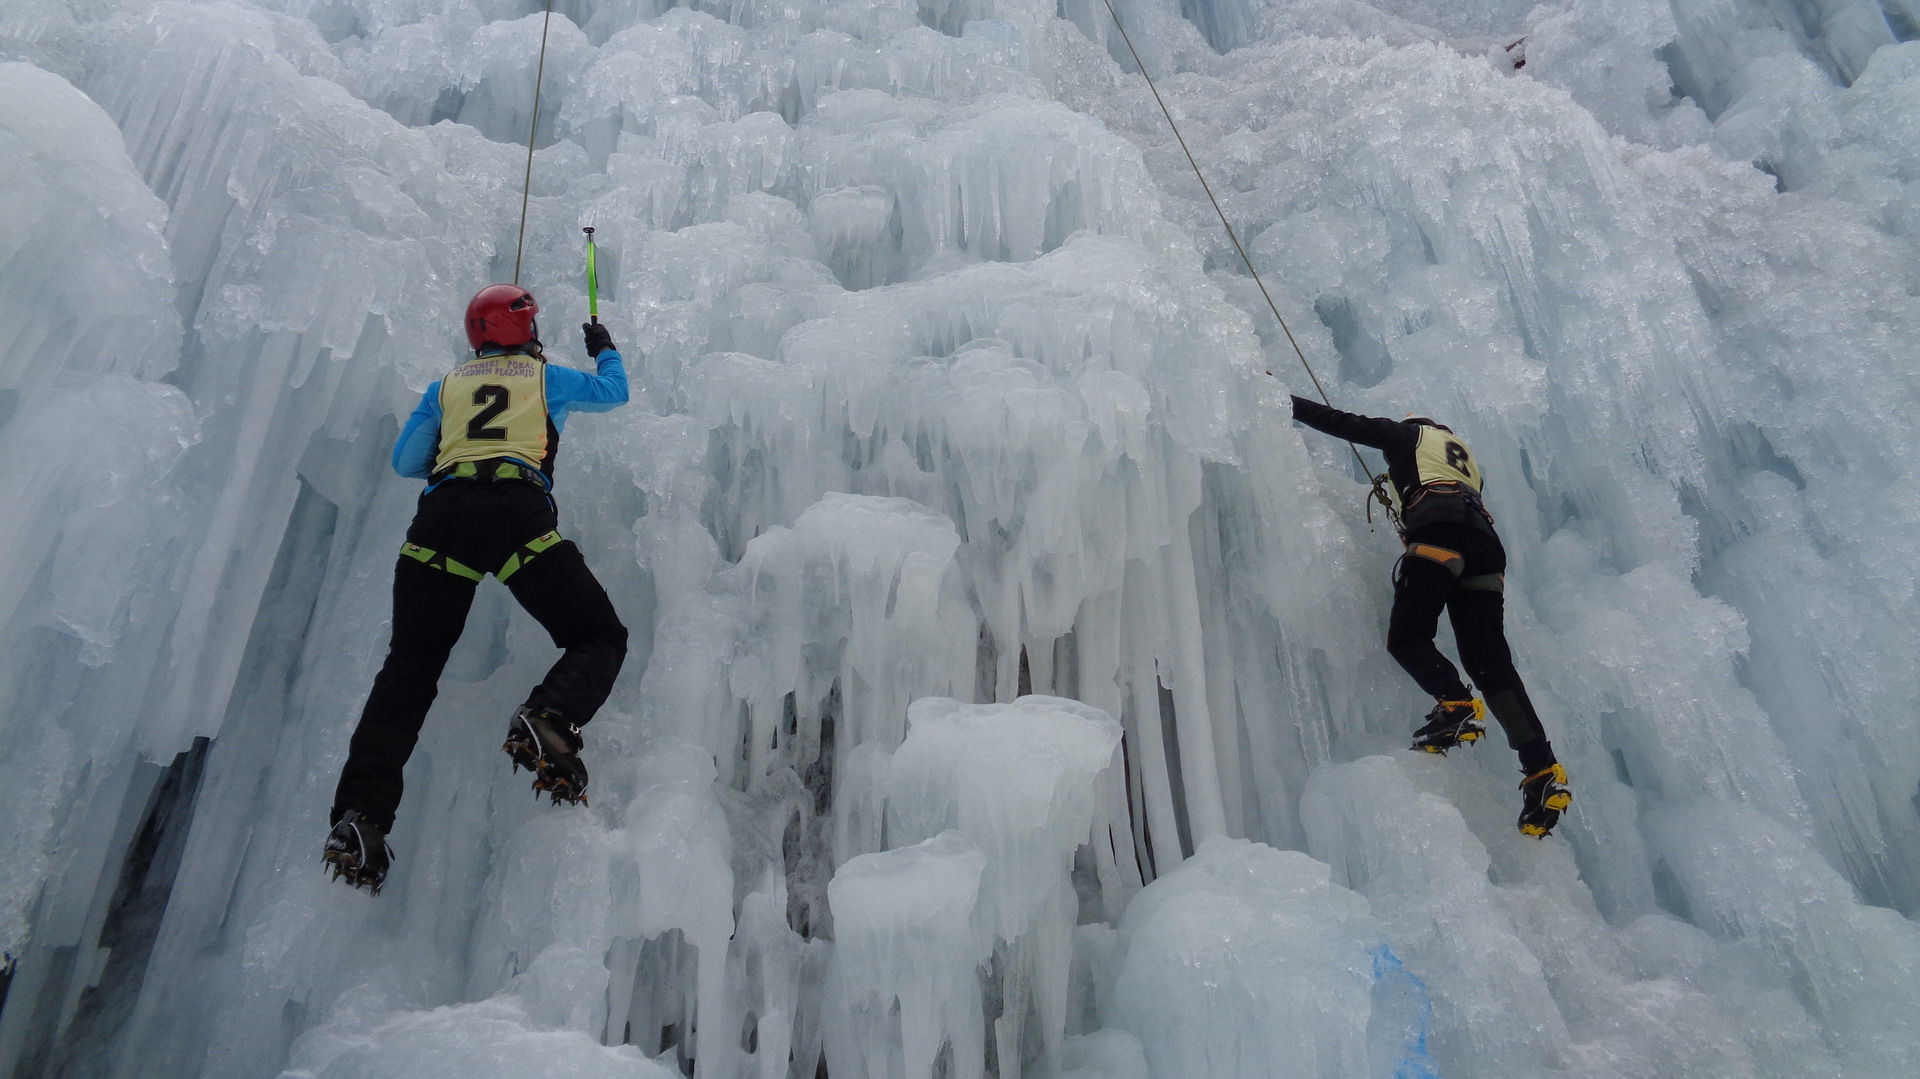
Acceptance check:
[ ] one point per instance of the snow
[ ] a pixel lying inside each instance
(1007, 693)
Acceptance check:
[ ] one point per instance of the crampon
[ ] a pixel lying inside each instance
(549, 747)
(1450, 725)
(358, 852)
(1546, 795)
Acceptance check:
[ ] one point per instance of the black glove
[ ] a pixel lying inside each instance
(598, 337)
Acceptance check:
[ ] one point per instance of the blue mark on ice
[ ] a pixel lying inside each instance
(1402, 1019)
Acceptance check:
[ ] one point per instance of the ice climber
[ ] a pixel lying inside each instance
(483, 438)
(1453, 562)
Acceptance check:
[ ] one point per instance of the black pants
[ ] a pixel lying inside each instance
(1425, 586)
(480, 525)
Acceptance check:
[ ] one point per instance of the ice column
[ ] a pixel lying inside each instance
(908, 951)
(681, 878)
(1019, 780)
(92, 442)
(858, 602)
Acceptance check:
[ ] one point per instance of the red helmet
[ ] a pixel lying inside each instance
(502, 316)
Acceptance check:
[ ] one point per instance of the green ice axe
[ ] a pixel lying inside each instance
(593, 277)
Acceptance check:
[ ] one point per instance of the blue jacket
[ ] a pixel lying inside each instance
(568, 391)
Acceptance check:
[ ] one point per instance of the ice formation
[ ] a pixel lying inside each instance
(1007, 694)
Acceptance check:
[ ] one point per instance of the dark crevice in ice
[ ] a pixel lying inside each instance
(1668, 893)
(1364, 360)
(1687, 83)
(1136, 800)
(1066, 666)
(986, 662)
(1170, 733)
(950, 19)
(806, 841)
(103, 1010)
(1903, 25)
(1225, 26)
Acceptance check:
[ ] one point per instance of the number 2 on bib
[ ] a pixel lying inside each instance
(496, 399)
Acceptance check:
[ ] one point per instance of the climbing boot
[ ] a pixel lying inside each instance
(549, 747)
(1546, 795)
(1451, 724)
(358, 852)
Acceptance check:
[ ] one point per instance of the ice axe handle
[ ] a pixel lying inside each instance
(593, 277)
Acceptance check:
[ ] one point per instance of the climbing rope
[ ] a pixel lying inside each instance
(1379, 481)
(533, 128)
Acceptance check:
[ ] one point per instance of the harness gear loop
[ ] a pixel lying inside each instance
(1384, 496)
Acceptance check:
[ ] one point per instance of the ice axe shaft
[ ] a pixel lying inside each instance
(593, 277)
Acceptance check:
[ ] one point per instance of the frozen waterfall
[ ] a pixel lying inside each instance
(1007, 692)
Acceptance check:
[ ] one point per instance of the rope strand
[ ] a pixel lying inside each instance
(1244, 257)
(533, 128)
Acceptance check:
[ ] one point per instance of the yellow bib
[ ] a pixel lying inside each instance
(1441, 457)
(495, 406)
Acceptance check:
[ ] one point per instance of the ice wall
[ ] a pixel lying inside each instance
(1006, 693)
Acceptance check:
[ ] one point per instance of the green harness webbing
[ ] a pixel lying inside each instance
(501, 469)
(528, 551)
(433, 559)
(527, 554)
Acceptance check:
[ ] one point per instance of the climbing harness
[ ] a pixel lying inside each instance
(533, 128)
(491, 470)
(1447, 558)
(1449, 489)
(516, 562)
(433, 559)
(528, 552)
(1379, 492)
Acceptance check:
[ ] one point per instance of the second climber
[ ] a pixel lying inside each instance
(1453, 562)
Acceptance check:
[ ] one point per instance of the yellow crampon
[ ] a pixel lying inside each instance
(1547, 796)
(1451, 724)
(1473, 734)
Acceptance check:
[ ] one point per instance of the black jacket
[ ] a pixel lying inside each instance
(1432, 471)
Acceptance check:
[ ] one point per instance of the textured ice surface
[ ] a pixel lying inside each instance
(1247, 960)
(907, 955)
(492, 1037)
(1021, 782)
(85, 516)
(954, 457)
